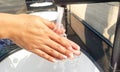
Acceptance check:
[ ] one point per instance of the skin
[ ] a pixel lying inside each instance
(37, 35)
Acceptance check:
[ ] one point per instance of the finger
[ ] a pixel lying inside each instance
(44, 55)
(53, 52)
(59, 31)
(76, 52)
(55, 37)
(60, 48)
(73, 44)
(50, 24)
(75, 48)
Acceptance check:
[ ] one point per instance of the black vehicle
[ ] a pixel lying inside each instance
(114, 57)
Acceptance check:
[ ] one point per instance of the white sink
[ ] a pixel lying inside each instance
(49, 15)
(24, 61)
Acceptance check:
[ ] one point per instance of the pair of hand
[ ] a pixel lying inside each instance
(38, 36)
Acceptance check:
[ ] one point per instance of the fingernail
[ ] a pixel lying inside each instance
(79, 53)
(78, 47)
(65, 57)
(70, 48)
(71, 56)
(54, 60)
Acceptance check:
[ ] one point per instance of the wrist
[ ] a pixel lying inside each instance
(6, 21)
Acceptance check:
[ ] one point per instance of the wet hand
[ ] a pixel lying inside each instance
(37, 35)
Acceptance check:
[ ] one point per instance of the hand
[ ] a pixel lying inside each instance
(36, 35)
(75, 48)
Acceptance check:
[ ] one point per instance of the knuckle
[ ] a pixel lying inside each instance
(43, 55)
(60, 39)
(58, 46)
(51, 51)
(49, 58)
(67, 52)
(60, 56)
(46, 56)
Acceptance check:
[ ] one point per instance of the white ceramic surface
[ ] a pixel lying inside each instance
(41, 4)
(24, 61)
(49, 15)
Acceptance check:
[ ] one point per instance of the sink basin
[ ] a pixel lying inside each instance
(24, 61)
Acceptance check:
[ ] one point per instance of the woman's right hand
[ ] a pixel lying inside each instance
(36, 34)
